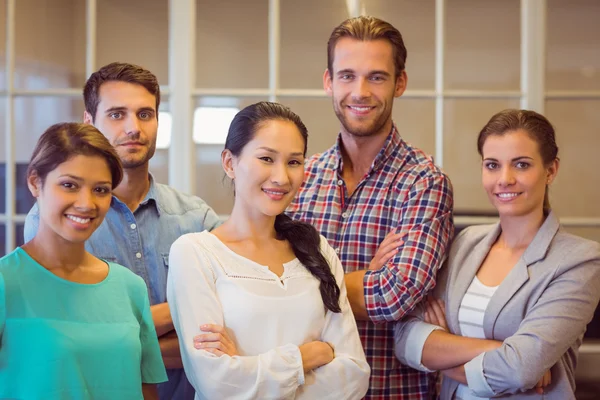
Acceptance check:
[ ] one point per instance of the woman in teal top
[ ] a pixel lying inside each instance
(73, 326)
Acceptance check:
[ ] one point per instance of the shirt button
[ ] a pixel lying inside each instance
(340, 182)
(337, 251)
(138, 255)
(345, 215)
(132, 226)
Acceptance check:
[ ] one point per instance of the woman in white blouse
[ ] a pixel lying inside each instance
(518, 294)
(267, 292)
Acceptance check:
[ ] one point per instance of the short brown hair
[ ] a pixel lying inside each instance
(122, 72)
(534, 124)
(62, 141)
(368, 28)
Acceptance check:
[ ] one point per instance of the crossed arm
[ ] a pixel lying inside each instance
(388, 290)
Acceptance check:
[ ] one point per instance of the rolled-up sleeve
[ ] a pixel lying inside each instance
(426, 217)
(410, 337)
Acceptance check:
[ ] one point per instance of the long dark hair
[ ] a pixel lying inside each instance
(303, 237)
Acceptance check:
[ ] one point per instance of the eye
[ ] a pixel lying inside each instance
(266, 159)
(103, 190)
(295, 162)
(115, 115)
(68, 185)
(346, 77)
(491, 165)
(522, 165)
(145, 115)
(377, 78)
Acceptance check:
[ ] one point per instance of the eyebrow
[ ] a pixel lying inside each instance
(80, 179)
(270, 150)
(123, 108)
(514, 159)
(374, 72)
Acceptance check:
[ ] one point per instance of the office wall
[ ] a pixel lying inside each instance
(482, 53)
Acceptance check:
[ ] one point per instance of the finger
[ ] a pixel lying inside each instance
(387, 247)
(213, 337)
(439, 313)
(212, 328)
(208, 337)
(216, 352)
(211, 345)
(387, 256)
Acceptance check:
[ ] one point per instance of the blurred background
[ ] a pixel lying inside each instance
(467, 59)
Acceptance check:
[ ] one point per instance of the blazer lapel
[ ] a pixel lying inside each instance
(519, 274)
(463, 278)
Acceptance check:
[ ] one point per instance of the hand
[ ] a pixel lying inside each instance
(435, 312)
(387, 249)
(316, 354)
(542, 383)
(217, 341)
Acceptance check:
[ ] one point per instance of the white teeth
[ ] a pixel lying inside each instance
(507, 195)
(360, 108)
(272, 192)
(79, 220)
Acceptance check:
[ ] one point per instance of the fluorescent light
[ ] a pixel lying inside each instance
(211, 124)
(165, 124)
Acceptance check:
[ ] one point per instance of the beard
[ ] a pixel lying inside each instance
(136, 159)
(364, 128)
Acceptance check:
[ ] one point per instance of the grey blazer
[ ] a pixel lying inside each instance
(540, 311)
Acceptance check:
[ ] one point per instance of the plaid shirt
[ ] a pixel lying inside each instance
(402, 189)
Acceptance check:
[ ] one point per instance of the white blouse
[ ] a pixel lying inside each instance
(268, 317)
(470, 319)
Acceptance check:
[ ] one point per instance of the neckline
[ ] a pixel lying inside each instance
(43, 270)
(478, 282)
(290, 263)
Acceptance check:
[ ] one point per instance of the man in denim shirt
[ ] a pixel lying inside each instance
(145, 217)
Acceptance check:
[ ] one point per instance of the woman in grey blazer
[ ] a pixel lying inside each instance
(518, 294)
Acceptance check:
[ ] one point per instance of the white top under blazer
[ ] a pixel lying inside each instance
(268, 317)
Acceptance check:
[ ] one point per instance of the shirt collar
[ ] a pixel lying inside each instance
(152, 197)
(389, 148)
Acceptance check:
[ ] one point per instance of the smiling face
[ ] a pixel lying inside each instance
(363, 85)
(74, 198)
(514, 175)
(127, 116)
(270, 169)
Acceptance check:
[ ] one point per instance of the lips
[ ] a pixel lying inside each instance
(78, 221)
(275, 194)
(507, 196)
(360, 109)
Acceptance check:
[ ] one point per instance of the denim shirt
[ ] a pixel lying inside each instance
(141, 241)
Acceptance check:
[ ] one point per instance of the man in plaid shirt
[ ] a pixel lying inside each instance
(371, 183)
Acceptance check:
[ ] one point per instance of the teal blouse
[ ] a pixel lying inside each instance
(66, 340)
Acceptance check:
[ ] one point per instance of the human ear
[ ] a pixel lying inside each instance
(87, 118)
(34, 183)
(227, 160)
(401, 83)
(327, 82)
(552, 171)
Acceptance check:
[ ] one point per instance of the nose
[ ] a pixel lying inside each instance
(361, 89)
(279, 174)
(85, 200)
(133, 125)
(507, 177)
